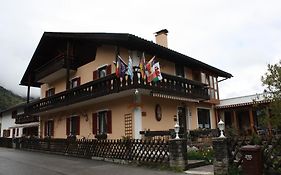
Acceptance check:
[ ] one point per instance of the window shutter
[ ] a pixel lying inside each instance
(46, 128)
(108, 70)
(95, 119)
(46, 94)
(109, 122)
(95, 75)
(67, 126)
(52, 128)
(78, 125)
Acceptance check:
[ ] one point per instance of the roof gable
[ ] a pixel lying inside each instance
(51, 40)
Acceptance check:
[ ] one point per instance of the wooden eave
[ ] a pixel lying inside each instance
(50, 40)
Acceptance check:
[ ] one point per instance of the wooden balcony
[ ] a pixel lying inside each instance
(23, 118)
(169, 85)
(54, 67)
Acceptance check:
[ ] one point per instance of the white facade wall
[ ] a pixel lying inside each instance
(7, 122)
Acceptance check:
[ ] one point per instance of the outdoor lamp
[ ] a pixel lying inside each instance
(177, 129)
(136, 91)
(221, 128)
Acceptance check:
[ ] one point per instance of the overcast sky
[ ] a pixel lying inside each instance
(238, 36)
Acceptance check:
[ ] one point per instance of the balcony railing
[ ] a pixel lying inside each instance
(169, 85)
(23, 118)
(54, 65)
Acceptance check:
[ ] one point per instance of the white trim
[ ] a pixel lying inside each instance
(71, 115)
(137, 113)
(104, 65)
(101, 110)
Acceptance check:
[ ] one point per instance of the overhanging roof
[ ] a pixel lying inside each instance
(243, 101)
(50, 40)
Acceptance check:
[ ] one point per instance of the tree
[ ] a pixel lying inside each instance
(272, 83)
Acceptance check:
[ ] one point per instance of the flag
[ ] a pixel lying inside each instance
(130, 68)
(149, 69)
(121, 67)
(157, 74)
(142, 66)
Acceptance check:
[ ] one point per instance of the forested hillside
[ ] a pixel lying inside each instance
(9, 99)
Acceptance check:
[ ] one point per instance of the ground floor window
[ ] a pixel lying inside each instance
(49, 128)
(203, 118)
(102, 122)
(17, 132)
(6, 133)
(73, 126)
(30, 131)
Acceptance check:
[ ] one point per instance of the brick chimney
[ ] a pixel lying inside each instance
(161, 37)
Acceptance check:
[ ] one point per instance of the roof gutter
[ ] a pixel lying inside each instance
(222, 80)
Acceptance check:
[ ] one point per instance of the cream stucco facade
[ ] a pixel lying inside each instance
(122, 107)
(86, 98)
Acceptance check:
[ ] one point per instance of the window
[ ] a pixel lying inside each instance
(6, 133)
(50, 92)
(49, 128)
(212, 83)
(73, 126)
(102, 72)
(203, 118)
(17, 132)
(75, 82)
(14, 132)
(196, 75)
(179, 70)
(102, 122)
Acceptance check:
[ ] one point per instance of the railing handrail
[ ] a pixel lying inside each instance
(111, 84)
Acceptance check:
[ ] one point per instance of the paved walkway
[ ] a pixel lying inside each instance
(204, 170)
(33, 163)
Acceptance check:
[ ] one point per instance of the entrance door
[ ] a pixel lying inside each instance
(182, 119)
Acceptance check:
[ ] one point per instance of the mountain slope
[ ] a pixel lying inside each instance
(9, 99)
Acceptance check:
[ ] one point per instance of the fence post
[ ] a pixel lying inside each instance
(221, 157)
(178, 154)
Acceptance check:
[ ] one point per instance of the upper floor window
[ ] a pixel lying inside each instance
(75, 82)
(102, 72)
(50, 92)
(203, 118)
(102, 122)
(211, 81)
(196, 75)
(73, 126)
(179, 70)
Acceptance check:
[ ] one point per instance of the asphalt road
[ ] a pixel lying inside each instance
(17, 162)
